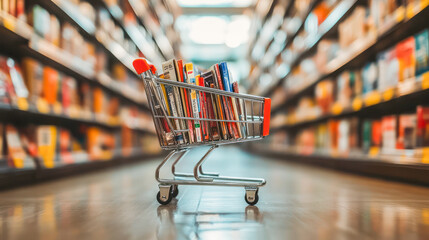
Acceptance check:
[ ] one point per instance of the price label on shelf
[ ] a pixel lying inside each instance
(18, 162)
(373, 151)
(410, 10)
(57, 108)
(400, 14)
(357, 104)
(425, 155)
(74, 112)
(388, 94)
(22, 104)
(425, 80)
(424, 4)
(337, 108)
(9, 24)
(42, 106)
(425, 216)
(372, 98)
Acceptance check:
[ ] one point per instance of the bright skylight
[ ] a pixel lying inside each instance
(215, 3)
(231, 31)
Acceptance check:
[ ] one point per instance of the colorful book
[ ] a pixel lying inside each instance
(173, 95)
(240, 108)
(219, 103)
(422, 133)
(366, 135)
(223, 67)
(211, 105)
(422, 52)
(191, 80)
(407, 131)
(406, 58)
(185, 100)
(47, 145)
(17, 156)
(225, 105)
(388, 126)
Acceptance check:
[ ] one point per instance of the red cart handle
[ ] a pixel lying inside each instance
(267, 117)
(141, 66)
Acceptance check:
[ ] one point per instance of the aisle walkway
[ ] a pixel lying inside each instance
(299, 202)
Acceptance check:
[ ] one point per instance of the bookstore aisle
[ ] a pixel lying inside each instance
(298, 202)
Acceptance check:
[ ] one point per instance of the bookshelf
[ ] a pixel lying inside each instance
(288, 130)
(19, 40)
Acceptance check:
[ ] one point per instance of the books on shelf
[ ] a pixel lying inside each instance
(401, 137)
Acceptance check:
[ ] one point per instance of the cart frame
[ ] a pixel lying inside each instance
(256, 127)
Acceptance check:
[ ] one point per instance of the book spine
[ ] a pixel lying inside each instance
(223, 131)
(230, 103)
(240, 110)
(225, 106)
(211, 106)
(194, 102)
(174, 97)
(185, 100)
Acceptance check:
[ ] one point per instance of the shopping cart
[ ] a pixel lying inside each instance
(253, 122)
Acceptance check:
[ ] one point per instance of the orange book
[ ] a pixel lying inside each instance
(50, 85)
(127, 144)
(98, 100)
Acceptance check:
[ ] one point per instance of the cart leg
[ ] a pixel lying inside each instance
(173, 167)
(176, 174)
(164, 195)
(251, 195)
(198, 166)
(158, 169)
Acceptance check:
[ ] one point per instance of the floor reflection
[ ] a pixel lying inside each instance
(297, 203)
(174, 224)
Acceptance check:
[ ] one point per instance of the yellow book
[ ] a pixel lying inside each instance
(47, 144)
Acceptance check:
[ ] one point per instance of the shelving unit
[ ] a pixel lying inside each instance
(361, 52)
(20, 40)
(405, 165)
(375, 167)
(10, 178)
(373, 105)
(31, 45)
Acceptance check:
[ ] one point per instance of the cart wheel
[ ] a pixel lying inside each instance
(164, 201)
(175, 190)
(252, 201)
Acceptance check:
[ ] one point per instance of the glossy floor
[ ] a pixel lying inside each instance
(298, 202)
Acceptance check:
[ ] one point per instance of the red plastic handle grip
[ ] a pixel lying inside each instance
(141, 66)
(267, 117)
(153, 69)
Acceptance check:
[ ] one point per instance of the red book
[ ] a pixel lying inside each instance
(203, 112)
(376, 133)
(422, 126)
(186, 100)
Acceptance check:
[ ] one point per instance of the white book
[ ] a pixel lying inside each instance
(172, 98)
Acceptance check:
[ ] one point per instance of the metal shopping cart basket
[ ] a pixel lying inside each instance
(253, 120)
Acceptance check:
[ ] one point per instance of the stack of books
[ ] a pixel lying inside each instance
(182, 102)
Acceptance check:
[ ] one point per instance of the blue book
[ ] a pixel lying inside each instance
(422, 52)
(223, 67)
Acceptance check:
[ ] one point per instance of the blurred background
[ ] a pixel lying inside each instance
(347, 78)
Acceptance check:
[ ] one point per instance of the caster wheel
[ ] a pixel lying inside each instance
(162, 200)
(175, 191)
(252, 201)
